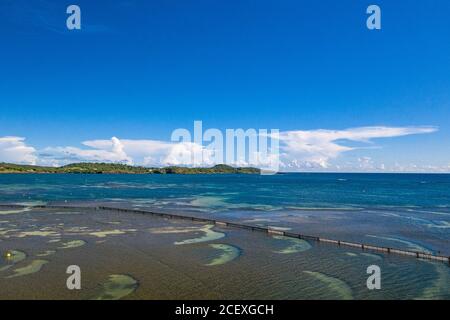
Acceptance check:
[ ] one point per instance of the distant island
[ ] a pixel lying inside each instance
(115, 168)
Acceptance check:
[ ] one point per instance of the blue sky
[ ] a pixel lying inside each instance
(140, 69)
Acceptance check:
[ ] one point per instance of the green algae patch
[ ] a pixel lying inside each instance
(104, 234)
(5, 232)
(294, 245)
(209, 235)
(38, 233)
(117, 287)
(351, 254)
(439, 288)
(170, 230)
(209, 201)
(72, 244)
(33, 267)
(409, 244)
(335, 287)
(228, 253)
(46, 253)
(4, 212)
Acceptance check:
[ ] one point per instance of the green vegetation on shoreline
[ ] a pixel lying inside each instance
(114, 168)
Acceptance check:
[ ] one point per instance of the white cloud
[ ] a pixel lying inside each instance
(110, 151)
(312, 150)
(15, 150)
(315, 148)
(160, 153)
(188, 154)
(139, 152)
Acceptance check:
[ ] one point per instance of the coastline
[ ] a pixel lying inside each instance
(109, 168)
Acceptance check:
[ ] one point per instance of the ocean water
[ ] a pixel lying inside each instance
(308, 190)
(408, 211)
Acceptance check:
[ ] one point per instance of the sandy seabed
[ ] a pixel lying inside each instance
(136, 256)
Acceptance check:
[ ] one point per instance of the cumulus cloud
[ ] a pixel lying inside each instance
(111, 151)
(314, 149)
(188, 154)
(15, 150)
(299, 150)
(139, 152)
(161, 153)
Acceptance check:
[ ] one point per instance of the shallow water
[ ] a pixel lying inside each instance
(178, 259)
(352, 206)
(208, 235)
(72, 244)
(331, 286)
(292, 245)
(117, 287)
(228, 253)
(33, 267)
(147, 263)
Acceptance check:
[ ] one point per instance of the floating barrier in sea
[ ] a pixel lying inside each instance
(268, 230)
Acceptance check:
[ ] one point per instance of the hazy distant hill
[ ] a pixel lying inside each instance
(99, 168)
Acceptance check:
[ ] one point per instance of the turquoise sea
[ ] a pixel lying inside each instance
(408, 211)
(401, 210)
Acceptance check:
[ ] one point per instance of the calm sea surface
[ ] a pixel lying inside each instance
(401, 210)
(409, 211)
